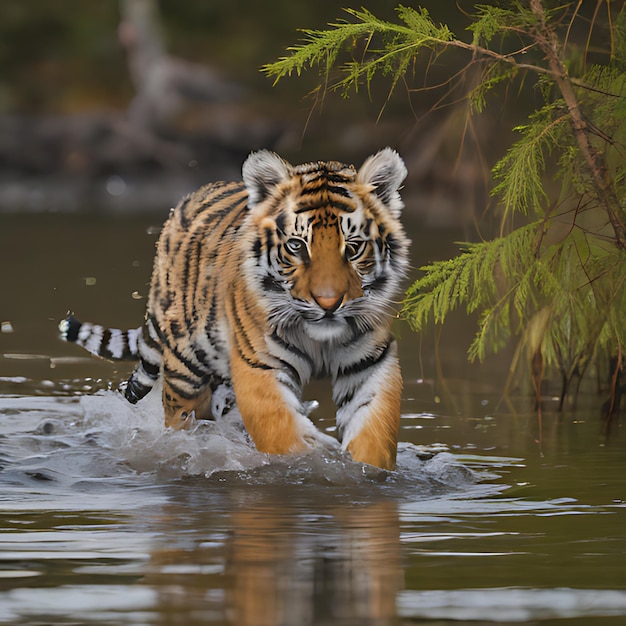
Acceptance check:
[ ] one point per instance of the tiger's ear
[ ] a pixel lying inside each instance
(262, 171)
(385, 171)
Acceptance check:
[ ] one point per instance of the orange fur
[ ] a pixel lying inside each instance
(269, 422)
(376, 442)
(180, 413)
(329, 277)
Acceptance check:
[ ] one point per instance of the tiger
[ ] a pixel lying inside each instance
(261, 285)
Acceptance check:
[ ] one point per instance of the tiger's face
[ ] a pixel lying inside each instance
(328, 248)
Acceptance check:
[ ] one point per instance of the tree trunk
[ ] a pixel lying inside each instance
(602, 183)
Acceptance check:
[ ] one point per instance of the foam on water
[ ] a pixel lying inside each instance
(100, 439)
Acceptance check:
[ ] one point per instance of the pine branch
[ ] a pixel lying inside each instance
(471, 279)
(401, 43)
(520, 171)
(322, 47)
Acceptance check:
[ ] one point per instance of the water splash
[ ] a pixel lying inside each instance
(222, 450)
(102, 437)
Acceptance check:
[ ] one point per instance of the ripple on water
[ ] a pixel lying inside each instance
(511, 604)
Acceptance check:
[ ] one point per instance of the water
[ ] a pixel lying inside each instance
(106, 518)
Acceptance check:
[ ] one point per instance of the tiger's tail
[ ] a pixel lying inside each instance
(135, 344)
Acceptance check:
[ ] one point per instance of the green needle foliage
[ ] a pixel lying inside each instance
(554, 278)
(400, 44)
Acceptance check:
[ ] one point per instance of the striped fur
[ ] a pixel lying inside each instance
(259, 286)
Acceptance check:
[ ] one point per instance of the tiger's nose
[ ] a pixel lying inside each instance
(330, 302)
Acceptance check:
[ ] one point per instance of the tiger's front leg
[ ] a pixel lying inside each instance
(271, 409)
(368, 395)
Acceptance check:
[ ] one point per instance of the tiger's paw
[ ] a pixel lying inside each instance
(316, 440)
(181, 420)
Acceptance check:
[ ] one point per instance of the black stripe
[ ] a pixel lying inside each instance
(177, 330)
(293, 372)
(234, 210)
(165, 300)
(181, 209)
(103, 348)
(392, 244)
(193, 380)
(200, 354)
(181, 392)
(254, 364)
(339, 178)
(135, 390)
(73, 326)
(224, 191)
(256, 248)
(293, 349)
(270, 284)
(379, 282)
(212, 314)
(307, 205)
(338, 190)
(209, 380)
(268, 245)
(197, 370)
(152, 370)
(280, 222)
(342, 206)
(216, 193)
(190, 283)
(365, 363)
(241, 337)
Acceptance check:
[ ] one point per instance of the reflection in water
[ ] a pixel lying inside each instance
(285, 564)
(283, 575)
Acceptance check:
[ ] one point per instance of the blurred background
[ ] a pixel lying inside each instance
(125, 105)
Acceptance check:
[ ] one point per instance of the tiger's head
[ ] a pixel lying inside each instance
(327, 249)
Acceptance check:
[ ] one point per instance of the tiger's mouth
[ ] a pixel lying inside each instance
(328, 327)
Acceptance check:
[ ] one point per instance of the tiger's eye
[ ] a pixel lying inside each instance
(295, 246)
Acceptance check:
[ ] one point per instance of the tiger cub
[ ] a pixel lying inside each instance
(264, 284)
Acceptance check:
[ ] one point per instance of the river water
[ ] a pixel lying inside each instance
(106, 518)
